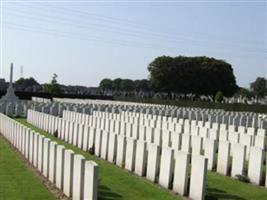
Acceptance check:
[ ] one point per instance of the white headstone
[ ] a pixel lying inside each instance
(198, 177)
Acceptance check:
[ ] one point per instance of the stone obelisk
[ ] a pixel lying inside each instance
(10, 94)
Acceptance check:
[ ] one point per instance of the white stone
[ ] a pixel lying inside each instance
(210, 152)
(166, 138)
(176, 139)
(78, 177)
(92, 133)
(152, 162)
(40, 152)
(80, 136)
(180, 180)
(90, 180)
(98, 142)
(247, 141)
(223, 135)
(238, 162)
(158, 136)
(130, 154)
(186, 143)
(140, 160)
(85, 138)
(68, 172)
(112, 147)
(255, 165)
(260, 142)
(121, 146)
(166, 167)
(223, 161)
(214, 134)
(198, 177)
(197, 145)
(104, 145)
(46, 151)
(60, 166)
(52, 161)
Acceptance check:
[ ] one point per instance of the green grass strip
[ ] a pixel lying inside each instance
(17, 182)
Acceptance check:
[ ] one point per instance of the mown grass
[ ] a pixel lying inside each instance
(17, 182)
(116, 183)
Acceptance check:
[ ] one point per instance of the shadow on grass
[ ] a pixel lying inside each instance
(104, 193)
(215, 194)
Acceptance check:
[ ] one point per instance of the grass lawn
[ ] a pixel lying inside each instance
(16, 181)
(116, 183)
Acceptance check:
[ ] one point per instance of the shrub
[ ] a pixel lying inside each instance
(92, 150)
(55, 134)
(219, 97)
(243, 178)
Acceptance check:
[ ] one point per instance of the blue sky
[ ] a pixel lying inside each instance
(84, 42)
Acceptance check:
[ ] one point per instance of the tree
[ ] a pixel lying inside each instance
(52, 87)
(106, 84)
(219, 97)
(116, 84)
(26, 82)
(142, 85)
(198, 75)
(127, 85)
(243, 92)
(259, 87)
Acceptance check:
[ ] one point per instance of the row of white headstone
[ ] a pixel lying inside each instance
(230, 155)
(173, 123)
(157, 108)
(150, 132)
(69, 172)
(163, 165)
(41, 100)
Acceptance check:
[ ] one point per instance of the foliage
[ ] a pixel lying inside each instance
(116, 84)
(197, 75)
(243, 178)
(259, 87)
(119, 84)
(127, 85)
(52, 87)
(219, 97)
(243, 92)
(106, 84)
(26, 82)
(142, 85)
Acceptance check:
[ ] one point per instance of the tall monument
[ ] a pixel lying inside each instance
(10, 94)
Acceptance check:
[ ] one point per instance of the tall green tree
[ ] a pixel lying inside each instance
(26, 82)
(127, 85)
(198, 75)
(116, 84)
(142, 85)
(259, 87)
(106, 84)
(52, 87)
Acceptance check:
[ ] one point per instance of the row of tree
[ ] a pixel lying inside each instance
(188, 75)
(30, 84)
(119, 84)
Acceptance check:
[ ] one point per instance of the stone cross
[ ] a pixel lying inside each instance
(11, 76)
(10, 95)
